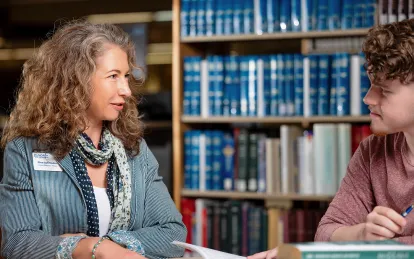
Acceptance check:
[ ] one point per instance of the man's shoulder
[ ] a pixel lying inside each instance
(380, 143)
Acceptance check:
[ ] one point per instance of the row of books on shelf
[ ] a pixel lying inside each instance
(392, 10)
(242, 228)
(227, 17)
(229, 226)
(301, 162)
(275, 85)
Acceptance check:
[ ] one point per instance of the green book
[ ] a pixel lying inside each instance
(346, 250)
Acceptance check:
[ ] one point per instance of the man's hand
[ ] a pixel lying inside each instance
(382, 223)
(270, 254)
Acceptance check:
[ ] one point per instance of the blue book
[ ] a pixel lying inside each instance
(370, 12)
(252, 85)
(312, 11)
(248, 14)
(195, 101)
(185, 19)
(216, 76)
(335, 82)
(188, 81)
(334, 15)
(195, 157)
(347, 14)
(343, 102)
(211, 84)
(285, 16)
(228, 153)
(187, 159)
(296, 15)
(359, 13)
(201, 17)
(238, 16)
(365, 85)
(298, 84)
(322, 20)
(281, 85)
(235, 86)
(324, 84)
(228, 16)
(266, 85)
(314, 76)
(228, 85)
(244, 85)
(193, 17)
(289, 85)
(217, 145)
(260, 16)
(209, 159)
(220, 9)
(273, 16)
(274, 86)
(210, 17)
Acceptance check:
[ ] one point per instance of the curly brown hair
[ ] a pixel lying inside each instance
(389, 50)
(55, 89)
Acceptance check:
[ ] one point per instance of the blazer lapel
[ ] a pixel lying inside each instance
(67, 166)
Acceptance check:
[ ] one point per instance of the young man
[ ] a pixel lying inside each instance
(379, 184)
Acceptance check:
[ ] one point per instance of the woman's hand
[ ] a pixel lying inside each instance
(73, 235)
(270, 254)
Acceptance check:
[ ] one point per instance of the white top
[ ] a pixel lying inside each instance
(104, 209)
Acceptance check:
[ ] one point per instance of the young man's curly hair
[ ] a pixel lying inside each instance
(389, 50)
(55, 89)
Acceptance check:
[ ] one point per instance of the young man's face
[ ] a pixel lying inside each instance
(392, 106)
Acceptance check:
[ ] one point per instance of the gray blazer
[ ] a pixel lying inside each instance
(38, 206)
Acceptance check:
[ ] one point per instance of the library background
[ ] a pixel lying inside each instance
(253, 108)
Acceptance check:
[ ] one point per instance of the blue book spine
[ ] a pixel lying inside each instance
(334, 15)
(228, 85)
(311, 11)
(238, 17)
(217, 145)
(322, 20)
(248, 13)
(244, 86)
(314, 75)
(185, 19)
(285, 16)
(211, 84)
(281, 72)
(187, 159)
(196, 87)
(263, 16)
(220, 9)
(266, 85)
(210, 17)
(365, 84)
(359, 13)
(335, 82)
(273, 16)
(298, 84)
(343, 102)
(235, 86)
(296, 15)
(252, 88)
(209, 159)
(370, 11)
(274, 86)
(323, 82)
(347, 14)
(193, 17)
(289, 85)
(228, 16)
(195, 157)
(188, 81)
(201, 17)
(219, 85)
(228, 152)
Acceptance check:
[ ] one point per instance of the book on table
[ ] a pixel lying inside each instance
(207, 253)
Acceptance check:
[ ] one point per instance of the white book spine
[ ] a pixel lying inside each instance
(202, 166)
(344, 149)
(199, 206)
(304, 19)
(257, 17)
(269, 167)
(306, 87)
(410, 9)
(392, 13)
(260, 88)
(383, 14)
(355, 85)
(204, 88)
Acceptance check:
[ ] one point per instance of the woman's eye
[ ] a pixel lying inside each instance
(114, 76)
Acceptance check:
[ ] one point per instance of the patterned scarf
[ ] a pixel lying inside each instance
(121, 212)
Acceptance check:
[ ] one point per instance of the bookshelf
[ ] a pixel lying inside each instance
(291, 42)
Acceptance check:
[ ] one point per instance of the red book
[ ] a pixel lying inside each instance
(356, 137)
(366, 131)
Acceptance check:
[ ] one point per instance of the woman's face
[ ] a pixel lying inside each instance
(110, 86)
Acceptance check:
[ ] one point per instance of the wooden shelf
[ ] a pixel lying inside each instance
(158, 124)
(276, 36)
(252, 196)
(276, 120)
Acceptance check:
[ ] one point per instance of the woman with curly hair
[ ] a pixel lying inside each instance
(373, 197)
(79, 180)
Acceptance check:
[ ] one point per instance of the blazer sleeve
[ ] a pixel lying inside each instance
(20, 223)
(162, 223)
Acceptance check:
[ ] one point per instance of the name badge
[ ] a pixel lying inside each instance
(45, 162)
